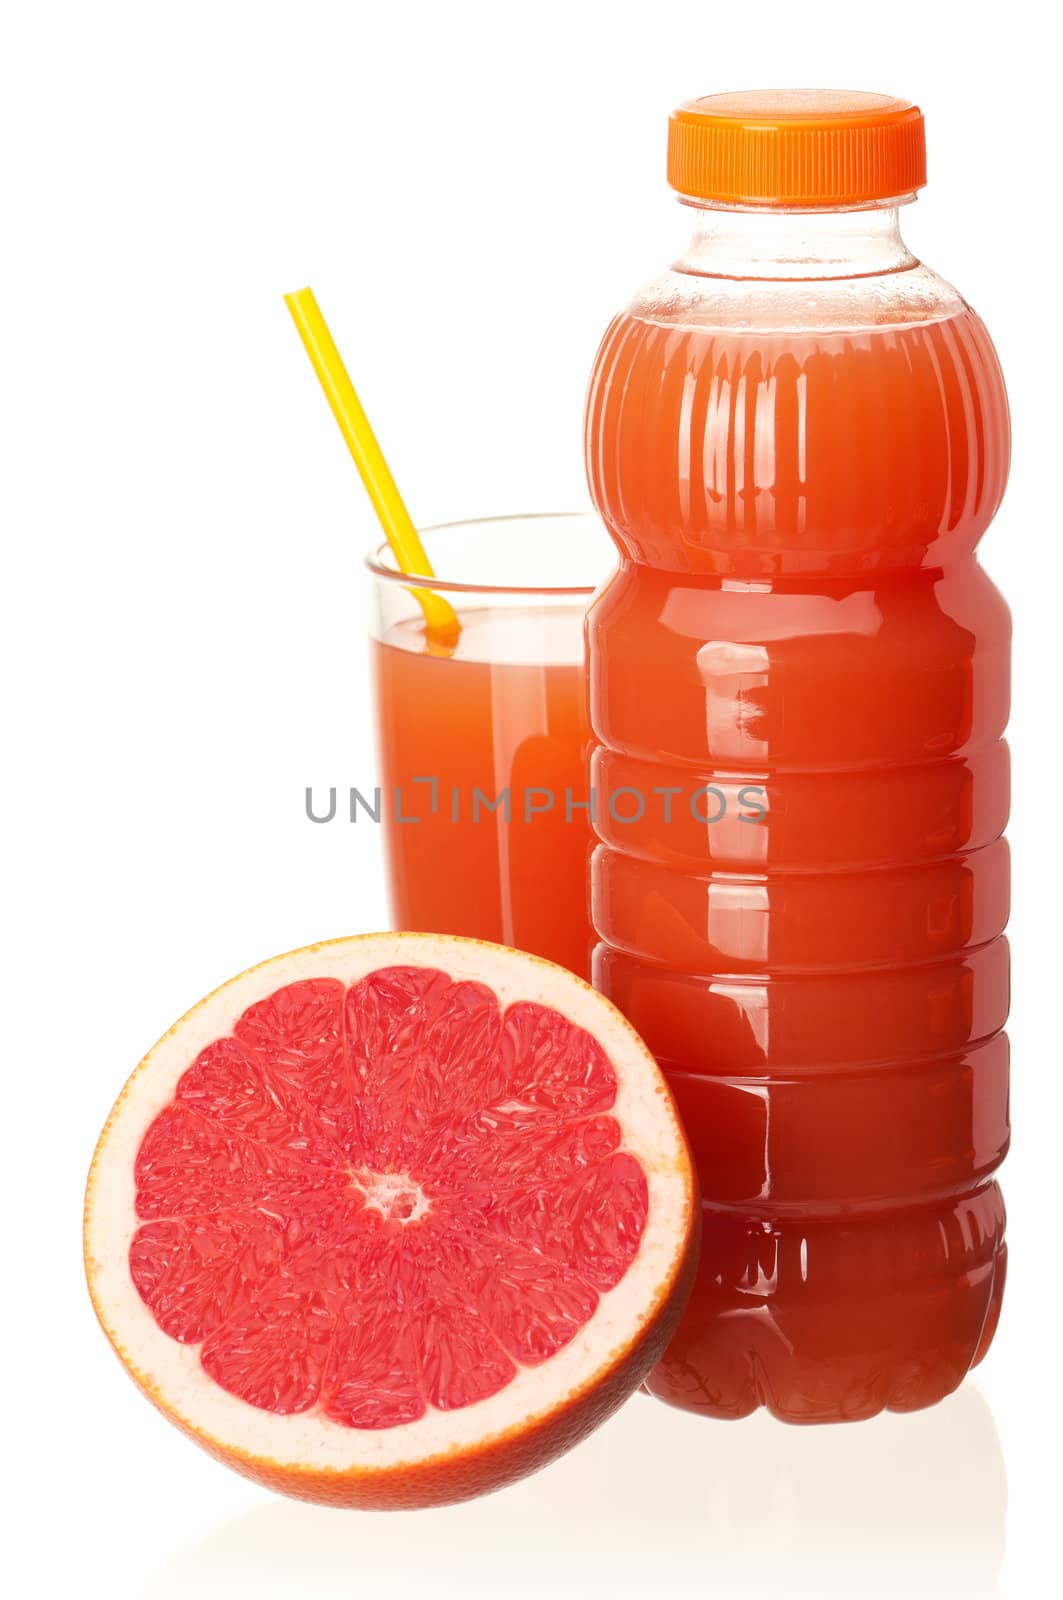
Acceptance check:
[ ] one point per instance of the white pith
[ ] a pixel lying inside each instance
(393, 1194)
(171, 1371)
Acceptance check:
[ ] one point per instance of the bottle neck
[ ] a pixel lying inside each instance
(729, 243)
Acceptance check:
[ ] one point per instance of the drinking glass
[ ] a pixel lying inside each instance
(484, 796)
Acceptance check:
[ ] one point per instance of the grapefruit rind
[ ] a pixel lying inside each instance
(444, 1454)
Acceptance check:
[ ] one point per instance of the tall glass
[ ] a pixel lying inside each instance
(483, 751)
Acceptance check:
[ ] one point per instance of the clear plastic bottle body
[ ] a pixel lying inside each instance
(797, 436)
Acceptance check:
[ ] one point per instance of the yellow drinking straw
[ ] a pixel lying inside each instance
(441, 620)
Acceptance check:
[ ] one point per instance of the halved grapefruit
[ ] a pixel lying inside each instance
(392, 1220)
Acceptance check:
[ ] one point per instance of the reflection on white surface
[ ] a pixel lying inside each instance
(660, 1502)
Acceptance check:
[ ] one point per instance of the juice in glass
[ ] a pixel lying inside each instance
(796, 437)
(483, 751)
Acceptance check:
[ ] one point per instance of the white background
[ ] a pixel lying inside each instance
(472, 190)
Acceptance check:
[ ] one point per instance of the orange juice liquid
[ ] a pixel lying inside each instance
(502, 722)
(799, 609)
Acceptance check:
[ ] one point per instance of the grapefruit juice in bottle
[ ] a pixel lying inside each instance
(797, 436)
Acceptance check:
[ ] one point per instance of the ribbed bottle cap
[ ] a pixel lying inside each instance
(796, 147)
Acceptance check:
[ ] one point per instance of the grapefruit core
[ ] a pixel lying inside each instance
(392, 1220)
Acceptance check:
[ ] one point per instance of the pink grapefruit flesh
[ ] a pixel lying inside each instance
(392, 1220)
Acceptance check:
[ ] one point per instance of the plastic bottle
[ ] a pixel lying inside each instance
(799, 686)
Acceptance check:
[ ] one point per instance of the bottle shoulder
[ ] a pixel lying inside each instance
(746, 449)
(681, 297)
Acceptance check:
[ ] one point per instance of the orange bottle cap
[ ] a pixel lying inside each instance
(796, 147)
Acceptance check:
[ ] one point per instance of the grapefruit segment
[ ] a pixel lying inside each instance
(392, 1220)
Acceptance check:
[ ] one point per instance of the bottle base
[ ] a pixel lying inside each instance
(837, 1320)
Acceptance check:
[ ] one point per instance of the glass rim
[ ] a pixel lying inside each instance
(375, 559)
